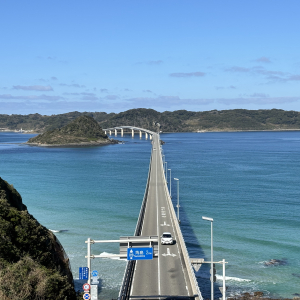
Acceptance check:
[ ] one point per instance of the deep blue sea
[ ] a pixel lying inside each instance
(248, 182)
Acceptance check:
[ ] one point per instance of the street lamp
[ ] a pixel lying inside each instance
(211, 257)
(170, 184)
(165, 170)
(166, 164)
(177, 199)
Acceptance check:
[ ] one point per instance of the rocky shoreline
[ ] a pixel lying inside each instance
(258, 296)
(82, 144)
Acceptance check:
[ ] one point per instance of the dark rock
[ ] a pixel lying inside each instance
(11, 195)
(275, 262)
(258, 294)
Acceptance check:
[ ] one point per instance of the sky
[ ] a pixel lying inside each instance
(115, 55)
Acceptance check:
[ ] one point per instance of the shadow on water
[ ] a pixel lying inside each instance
(195, 251)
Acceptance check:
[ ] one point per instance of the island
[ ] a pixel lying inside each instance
(83, 131)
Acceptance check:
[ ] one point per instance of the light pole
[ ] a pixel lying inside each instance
(170, 184)
(166, 172)
(177, 199)
(211, 257)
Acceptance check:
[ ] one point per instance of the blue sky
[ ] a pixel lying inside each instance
(111, 56)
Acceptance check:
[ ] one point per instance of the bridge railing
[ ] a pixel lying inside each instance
(190, 270)
(128, 274)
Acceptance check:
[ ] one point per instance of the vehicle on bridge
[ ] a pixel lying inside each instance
(166, 239)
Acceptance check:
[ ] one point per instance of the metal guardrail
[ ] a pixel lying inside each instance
(127, 279)
(185, 253)
(128, 274)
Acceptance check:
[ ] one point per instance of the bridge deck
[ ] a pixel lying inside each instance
(165, 276)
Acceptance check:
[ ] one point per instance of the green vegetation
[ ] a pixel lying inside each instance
(33, 264)
(83, 130)
(176, 121)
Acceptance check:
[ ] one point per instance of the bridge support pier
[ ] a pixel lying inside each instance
(150, 136)
(132, 133)
(122, 132)
(116, 132)
(141, 134)
(110, 132)
(146, 135)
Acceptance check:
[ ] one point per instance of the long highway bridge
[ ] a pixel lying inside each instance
(169, 275)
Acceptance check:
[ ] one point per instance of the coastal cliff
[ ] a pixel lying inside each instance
(83, 131)
(33, 263)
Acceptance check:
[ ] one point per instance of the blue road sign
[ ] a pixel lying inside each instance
(86, 296)
(83, 273)
(94, 273)
(139, 253)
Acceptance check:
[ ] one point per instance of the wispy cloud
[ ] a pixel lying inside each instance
(33, 88)
(232, 87)
(271, 76)
(185, 75)
(154, 62)
(150, 62)
(32, 97)
(263, 59)
(111, 97)
(257, 100)
(238, 69)
(90, 97)
(76, 85)
(166, 101)
(79, 94)
(259, 95)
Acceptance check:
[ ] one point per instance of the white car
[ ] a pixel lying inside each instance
(166, 238)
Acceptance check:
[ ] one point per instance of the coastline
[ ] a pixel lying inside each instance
(198, 131)
(82, 144)
(259, 296)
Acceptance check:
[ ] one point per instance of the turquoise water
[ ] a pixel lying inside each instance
(246, 181)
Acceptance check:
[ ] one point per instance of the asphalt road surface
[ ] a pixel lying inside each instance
(165, 276)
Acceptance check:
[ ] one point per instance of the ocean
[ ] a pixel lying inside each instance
(248, 182)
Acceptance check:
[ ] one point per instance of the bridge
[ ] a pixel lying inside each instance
(132, 129)
(170, 274)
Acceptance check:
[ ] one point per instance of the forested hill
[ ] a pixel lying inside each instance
(176, 121)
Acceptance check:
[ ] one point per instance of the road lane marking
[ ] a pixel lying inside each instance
(164, 224)
(168, 253)
(156, 194)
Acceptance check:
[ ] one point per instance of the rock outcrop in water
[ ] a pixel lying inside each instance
(33, 264)
(83, 131)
